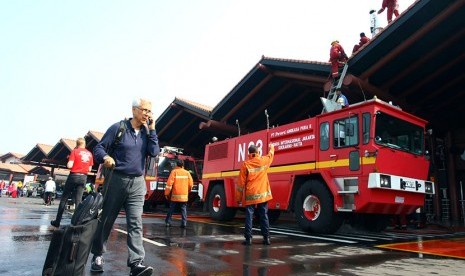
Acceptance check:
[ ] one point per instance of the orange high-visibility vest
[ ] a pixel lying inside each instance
(253, 179)
(179, 185)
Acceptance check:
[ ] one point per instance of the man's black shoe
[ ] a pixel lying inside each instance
(141, 270)
(183, 226)
(55, 223)
(97, 264)
(266, 241)
(247, 242)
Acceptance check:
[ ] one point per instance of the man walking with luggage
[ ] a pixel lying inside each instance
(177, 190)
(80, 163)
(124, 185)
(253, 178)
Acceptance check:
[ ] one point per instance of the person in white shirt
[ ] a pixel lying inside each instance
(50, 188)
(375, 28)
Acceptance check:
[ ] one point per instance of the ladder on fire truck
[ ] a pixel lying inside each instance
(336, 84)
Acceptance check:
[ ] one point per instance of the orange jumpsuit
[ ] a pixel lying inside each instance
(336, 56)
(392, 8)
(363, 40)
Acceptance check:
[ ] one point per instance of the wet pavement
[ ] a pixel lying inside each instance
(207, 247)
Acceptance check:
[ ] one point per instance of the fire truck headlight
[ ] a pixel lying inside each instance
(385, 181)
(428, 187)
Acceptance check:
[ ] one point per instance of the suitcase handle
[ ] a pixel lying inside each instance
(72, 255)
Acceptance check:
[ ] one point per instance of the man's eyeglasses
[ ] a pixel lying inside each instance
(145, 111)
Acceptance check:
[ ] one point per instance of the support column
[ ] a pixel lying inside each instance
(452, 181)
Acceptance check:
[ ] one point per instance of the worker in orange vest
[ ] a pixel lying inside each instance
(392, 8)
(253, 179)
(177, 190)
(337, 57)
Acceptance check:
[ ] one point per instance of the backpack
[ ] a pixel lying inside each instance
(88, 209)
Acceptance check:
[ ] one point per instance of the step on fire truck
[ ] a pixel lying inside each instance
(158, 169)
(361, 164)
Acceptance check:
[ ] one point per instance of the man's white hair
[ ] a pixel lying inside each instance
(136, 102)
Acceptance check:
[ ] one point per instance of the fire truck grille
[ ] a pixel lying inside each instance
(219, 151)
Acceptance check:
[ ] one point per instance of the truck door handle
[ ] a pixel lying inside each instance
(333, 156)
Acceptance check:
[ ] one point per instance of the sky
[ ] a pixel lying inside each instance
(69, 67)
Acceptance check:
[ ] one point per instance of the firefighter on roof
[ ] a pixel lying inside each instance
(253, 179)
(363, 40)
(337, 57)
(392, 8)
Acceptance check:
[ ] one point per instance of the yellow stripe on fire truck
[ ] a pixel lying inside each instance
(298, 167)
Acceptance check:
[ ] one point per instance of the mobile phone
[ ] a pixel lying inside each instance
(149, 121)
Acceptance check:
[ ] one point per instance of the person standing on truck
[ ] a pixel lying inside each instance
(253, 180)
(123, 151)
(337, 57)
(177, 190)
(80, 163)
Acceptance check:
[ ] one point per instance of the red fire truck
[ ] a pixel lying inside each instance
(360, 164)
(158, 169)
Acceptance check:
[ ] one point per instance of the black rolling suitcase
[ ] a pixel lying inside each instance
(70, 245)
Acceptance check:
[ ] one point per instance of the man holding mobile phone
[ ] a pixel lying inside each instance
(124, 186)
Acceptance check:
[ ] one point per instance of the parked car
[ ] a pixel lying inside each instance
(35, 189)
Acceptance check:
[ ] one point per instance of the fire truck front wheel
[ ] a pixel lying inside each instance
(314, 208)
(217, 205)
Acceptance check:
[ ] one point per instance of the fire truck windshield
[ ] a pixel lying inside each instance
(398, 134)
(166, 164)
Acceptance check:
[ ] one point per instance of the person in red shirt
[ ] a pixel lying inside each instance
(392, 8)
(363, 40)
(337, 57)
(80, 162)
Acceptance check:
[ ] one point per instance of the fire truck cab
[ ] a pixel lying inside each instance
(365, 163)
(158, 170)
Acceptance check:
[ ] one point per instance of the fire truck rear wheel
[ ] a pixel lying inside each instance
(217, 205)
(314, 208)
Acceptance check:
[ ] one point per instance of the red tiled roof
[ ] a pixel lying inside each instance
(96, 134)
(296, 60)
(196, 105)
(69, 143)
(44, 148)
(12, 168)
